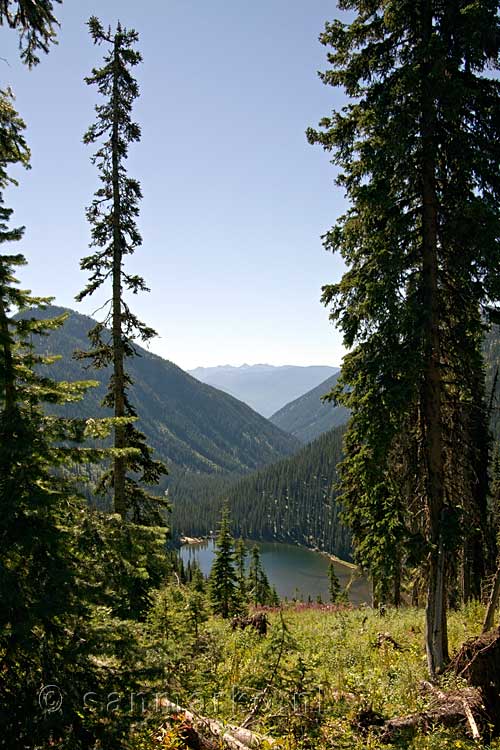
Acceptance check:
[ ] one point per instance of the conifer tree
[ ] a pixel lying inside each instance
(35, 21)
(259, 590)
(197, 580)
(115, 235)
(274, 600)
(240, 557)
(223, 580)
(333, 584)
(44, 596)
(416, 147)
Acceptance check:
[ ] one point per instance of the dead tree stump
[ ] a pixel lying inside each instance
(478, 662)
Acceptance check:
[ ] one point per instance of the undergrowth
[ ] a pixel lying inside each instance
(305, 683)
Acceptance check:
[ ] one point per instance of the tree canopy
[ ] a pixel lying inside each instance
(417, 149)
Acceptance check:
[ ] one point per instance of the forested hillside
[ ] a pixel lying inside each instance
(293, 500)
(189, 424)
(308, 416)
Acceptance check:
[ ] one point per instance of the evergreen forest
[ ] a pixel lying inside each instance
(112, 457)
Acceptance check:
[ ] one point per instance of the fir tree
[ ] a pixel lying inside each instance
(333, 584)
(113, 216)
(416, 147)
(196, 610)
(259, 590)
(223, 580)
(240, 557)
(45, 599)
(197, 582)
(35, 21)
(274, 600)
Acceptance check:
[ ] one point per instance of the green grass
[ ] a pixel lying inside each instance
(330, 668)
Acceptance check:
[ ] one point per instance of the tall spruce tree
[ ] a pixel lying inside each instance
(49, 576)
(43, 601)
(259, 590)
(417, 148)
(112, 216)
(223, 578)
(333, 584)
(240, 558)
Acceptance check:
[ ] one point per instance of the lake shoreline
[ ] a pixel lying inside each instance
(335, 559)
(194, 539)
(297, 571)
(189, 540)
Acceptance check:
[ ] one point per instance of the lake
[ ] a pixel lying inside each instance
(294, 571)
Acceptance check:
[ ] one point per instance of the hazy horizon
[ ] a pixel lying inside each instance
(235, 200)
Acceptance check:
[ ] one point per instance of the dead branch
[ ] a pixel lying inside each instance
(492, 601)
(457, 708)
(261, 697)
(384, 639)
(202, 733)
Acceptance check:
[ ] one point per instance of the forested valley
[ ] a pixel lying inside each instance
(110, 455)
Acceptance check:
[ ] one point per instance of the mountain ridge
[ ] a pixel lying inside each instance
(308, 417)
(265, 388)
(188, 423)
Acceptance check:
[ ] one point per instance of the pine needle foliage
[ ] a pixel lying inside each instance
(36, 22)
(259, 590)
(112, 216)
(42, 601)
(417, 148)
(223, 581)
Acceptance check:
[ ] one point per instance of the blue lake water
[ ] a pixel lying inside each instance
(294, 571)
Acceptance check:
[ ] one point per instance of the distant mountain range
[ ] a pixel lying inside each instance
(264, 387)
(295, 499)
(191, 426)
(308, 416)
(217, 447)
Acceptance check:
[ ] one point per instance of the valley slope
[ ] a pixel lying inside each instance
(308, 416)
(191, 425)
(293, 500)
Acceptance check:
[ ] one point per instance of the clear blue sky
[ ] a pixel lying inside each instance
(235, 199)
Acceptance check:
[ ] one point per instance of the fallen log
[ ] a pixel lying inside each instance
(457, 708)
(202, 733)
(475, 707)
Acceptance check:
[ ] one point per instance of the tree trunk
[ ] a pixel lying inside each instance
(492, 603)
(8, 361)
(118, 383)
(397, 582)
(431, 396)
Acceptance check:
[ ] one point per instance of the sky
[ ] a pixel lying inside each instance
(235, 199)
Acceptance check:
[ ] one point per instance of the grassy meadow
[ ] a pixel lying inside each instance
(306, 683)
